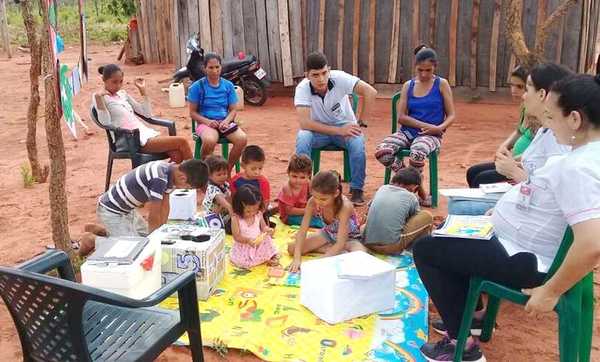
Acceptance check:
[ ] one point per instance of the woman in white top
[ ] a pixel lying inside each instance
(529, 223)
(117, 108)
(544, 144)
(542, 147)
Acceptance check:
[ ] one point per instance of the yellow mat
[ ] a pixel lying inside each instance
(249, 312)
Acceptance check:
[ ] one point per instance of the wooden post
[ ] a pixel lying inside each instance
(474, 36)
(452, 41)
(59, 214)
(321, 25)
(432, 21)
(297, 43)
(205, 26)
(415, 23)
(393, 66)
(494, 43)
(584, 34)
(4, 26)
(284, 37)
(340, 35)
(355, 37)
(372, 10)
(215, 26)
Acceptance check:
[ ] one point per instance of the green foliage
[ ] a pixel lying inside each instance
(28, 179)
(105, 26)
(125, 8)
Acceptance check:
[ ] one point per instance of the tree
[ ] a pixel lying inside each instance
(59, 216)
(514, 30)
(32, 28)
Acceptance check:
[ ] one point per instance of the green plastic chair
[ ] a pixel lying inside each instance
(405, 152)
(575, 310)
(223, 141)
(316, 152)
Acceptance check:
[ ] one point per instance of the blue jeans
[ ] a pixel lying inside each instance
(469, 207)
(307, 140)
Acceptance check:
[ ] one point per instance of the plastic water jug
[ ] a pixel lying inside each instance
(240, 96)
(176, 95)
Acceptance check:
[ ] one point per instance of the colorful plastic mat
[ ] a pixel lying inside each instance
(251, 311)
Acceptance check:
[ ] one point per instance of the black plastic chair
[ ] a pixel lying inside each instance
(58, 319)
(125, 143)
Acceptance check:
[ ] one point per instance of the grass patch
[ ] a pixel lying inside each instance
(28, 179)
(102, 26)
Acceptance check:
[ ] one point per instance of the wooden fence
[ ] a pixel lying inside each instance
(373, 39)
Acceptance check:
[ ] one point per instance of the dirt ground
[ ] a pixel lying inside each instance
(24, 213)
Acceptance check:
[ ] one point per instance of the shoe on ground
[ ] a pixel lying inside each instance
(476, 327)
(357, 197)
(444, 351)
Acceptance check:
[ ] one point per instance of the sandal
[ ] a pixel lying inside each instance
(362, 123)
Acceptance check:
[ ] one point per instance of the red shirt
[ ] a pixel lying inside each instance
(287, 200)
(261, 183)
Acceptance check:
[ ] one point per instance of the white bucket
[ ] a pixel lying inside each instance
(176, 95)
(240, 96)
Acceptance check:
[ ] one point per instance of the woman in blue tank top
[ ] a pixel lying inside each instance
(425, 111)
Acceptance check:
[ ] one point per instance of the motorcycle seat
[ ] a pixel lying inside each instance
(234, 63)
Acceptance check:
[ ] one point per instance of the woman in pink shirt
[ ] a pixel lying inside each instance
(117, 108)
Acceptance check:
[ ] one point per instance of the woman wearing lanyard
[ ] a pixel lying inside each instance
(542, 147)
(529, 223)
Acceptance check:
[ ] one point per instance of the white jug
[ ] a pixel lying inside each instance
(240, 96)
(176, 95)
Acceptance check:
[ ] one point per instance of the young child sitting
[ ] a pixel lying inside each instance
(341, 231)
(294, 194)
(253, 244)
(253, 161)
(217, 198)
(394, 218)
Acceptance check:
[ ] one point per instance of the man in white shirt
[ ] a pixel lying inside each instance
(326, 116)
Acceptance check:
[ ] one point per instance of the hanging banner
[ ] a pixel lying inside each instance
(66, 99)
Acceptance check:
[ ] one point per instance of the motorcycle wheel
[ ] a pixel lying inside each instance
(255, 93)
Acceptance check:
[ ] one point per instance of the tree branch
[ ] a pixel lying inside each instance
(557, 14)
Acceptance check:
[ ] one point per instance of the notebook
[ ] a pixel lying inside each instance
(466, 226)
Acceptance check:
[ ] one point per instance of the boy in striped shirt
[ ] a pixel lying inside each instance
(148, 184)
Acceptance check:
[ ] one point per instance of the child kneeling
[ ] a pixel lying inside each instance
(341, 230)
(253, 244)
(294, 194)
(394, 219)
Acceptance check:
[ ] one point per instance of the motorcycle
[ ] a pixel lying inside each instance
(243, 71)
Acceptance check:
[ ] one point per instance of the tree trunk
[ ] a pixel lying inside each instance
(514, 31)
(56, 150)
(31, 26)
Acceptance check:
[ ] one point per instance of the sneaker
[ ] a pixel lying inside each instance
(476, 327)
(356, 196)
(444, 351)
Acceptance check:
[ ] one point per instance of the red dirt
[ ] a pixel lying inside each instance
(24, 213)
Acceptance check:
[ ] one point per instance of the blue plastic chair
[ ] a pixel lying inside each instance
(58, 319)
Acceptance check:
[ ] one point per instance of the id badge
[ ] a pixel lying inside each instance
(525, 193)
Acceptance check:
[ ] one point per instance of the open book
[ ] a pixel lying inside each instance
(466, 226)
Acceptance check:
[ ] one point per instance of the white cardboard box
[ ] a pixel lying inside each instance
(129, 280)
(182, 204)
(347, 286)
(206, 258)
